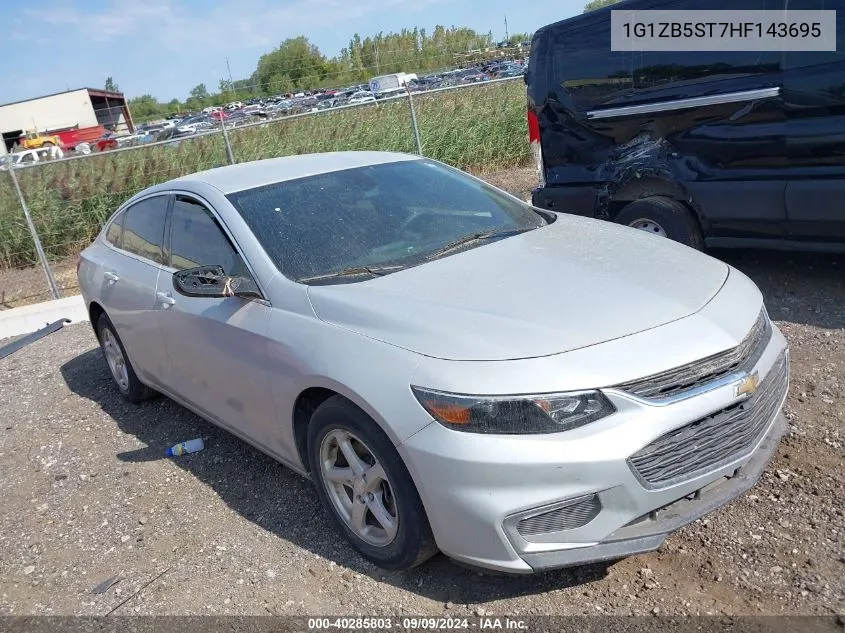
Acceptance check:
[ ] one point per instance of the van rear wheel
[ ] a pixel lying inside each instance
(663, 217)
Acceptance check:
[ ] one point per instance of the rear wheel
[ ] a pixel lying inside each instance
(121, 369)
(366, 488)
(663, 217)
(47, 144)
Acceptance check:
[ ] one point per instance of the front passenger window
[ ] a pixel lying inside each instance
(197, 240)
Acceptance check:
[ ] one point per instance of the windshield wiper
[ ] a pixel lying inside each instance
(474, 237)
(354, 271)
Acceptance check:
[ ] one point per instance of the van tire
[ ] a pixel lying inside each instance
(665, 217)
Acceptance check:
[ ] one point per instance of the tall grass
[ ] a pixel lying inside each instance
(479, 128)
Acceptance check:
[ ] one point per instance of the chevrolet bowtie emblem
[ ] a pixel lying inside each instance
(747, 386)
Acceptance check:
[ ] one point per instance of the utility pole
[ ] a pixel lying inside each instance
(231, 83)
(506, 29)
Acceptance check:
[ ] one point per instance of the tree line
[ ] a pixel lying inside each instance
(298, 65)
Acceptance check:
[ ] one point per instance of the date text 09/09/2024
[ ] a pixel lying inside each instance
(415, 624)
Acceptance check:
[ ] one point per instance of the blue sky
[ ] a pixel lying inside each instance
(165, 47)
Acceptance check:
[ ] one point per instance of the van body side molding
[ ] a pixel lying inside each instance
(681, 104)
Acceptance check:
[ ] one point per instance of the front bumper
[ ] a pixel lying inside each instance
(649, 533)
(474, 486)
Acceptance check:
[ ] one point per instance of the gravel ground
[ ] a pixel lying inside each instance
(88, 497)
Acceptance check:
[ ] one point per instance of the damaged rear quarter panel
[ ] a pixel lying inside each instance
(691, 155)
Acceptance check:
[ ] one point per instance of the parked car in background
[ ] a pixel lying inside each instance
(361, 96)
(197, 126)
(328, 104)
(24, 158)
(453, 368)
(192, 124)
(254, 110)
(718, 148)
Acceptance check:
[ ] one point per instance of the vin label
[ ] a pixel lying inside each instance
(682, 31)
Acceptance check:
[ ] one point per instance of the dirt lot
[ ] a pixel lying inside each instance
(88, 495)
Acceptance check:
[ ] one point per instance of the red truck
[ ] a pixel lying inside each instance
(95, 136)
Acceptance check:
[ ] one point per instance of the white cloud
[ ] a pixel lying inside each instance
(225, 26)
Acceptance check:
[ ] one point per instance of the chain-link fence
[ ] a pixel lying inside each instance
(51, 210)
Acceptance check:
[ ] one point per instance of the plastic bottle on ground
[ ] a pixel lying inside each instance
(191, 446)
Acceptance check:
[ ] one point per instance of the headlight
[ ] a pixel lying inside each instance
(512, 415)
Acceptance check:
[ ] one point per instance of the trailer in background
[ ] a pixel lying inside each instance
(387, 85)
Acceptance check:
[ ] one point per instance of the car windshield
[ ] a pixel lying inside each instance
(388, 216)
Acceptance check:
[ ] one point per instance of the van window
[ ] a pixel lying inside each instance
(656, 69)
(583, 64)
(805, 59)
(594, 76)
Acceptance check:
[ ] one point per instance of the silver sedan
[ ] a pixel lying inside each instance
(454, 369)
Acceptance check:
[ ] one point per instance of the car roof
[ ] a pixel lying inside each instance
(258, 173)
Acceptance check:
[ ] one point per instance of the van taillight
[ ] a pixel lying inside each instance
(533, 127)
(78, 263)
(536, 147)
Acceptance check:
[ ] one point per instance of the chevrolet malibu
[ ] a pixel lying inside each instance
(453, 368)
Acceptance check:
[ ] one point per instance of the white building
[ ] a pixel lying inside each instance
(73, 109)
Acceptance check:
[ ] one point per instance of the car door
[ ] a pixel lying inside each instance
(129, 274)
(216, 345)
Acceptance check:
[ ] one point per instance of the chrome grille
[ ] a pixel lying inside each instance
(686, 377)
(567, 517)
(713, 441)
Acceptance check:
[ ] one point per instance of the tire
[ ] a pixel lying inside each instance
(413, 542)
(127, 382)
(47, 144)
(664, 217)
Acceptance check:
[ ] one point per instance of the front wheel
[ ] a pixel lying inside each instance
(663, 217)
(366, 488)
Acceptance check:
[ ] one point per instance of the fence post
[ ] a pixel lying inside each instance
(414, 121)
(229, 154)
(51, 280)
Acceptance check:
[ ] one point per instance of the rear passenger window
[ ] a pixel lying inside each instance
(197, 240)
(583, 64)
(114, 235)
(143, 228)
(656, 69)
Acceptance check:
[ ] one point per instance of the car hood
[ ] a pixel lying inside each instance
(574, 283)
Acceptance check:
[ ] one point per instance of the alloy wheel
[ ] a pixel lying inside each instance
(115, 359)
(359, 488)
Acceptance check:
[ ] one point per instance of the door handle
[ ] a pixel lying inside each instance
(165, 299)
(110, 277)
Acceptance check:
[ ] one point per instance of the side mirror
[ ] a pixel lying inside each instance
(212, 281)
